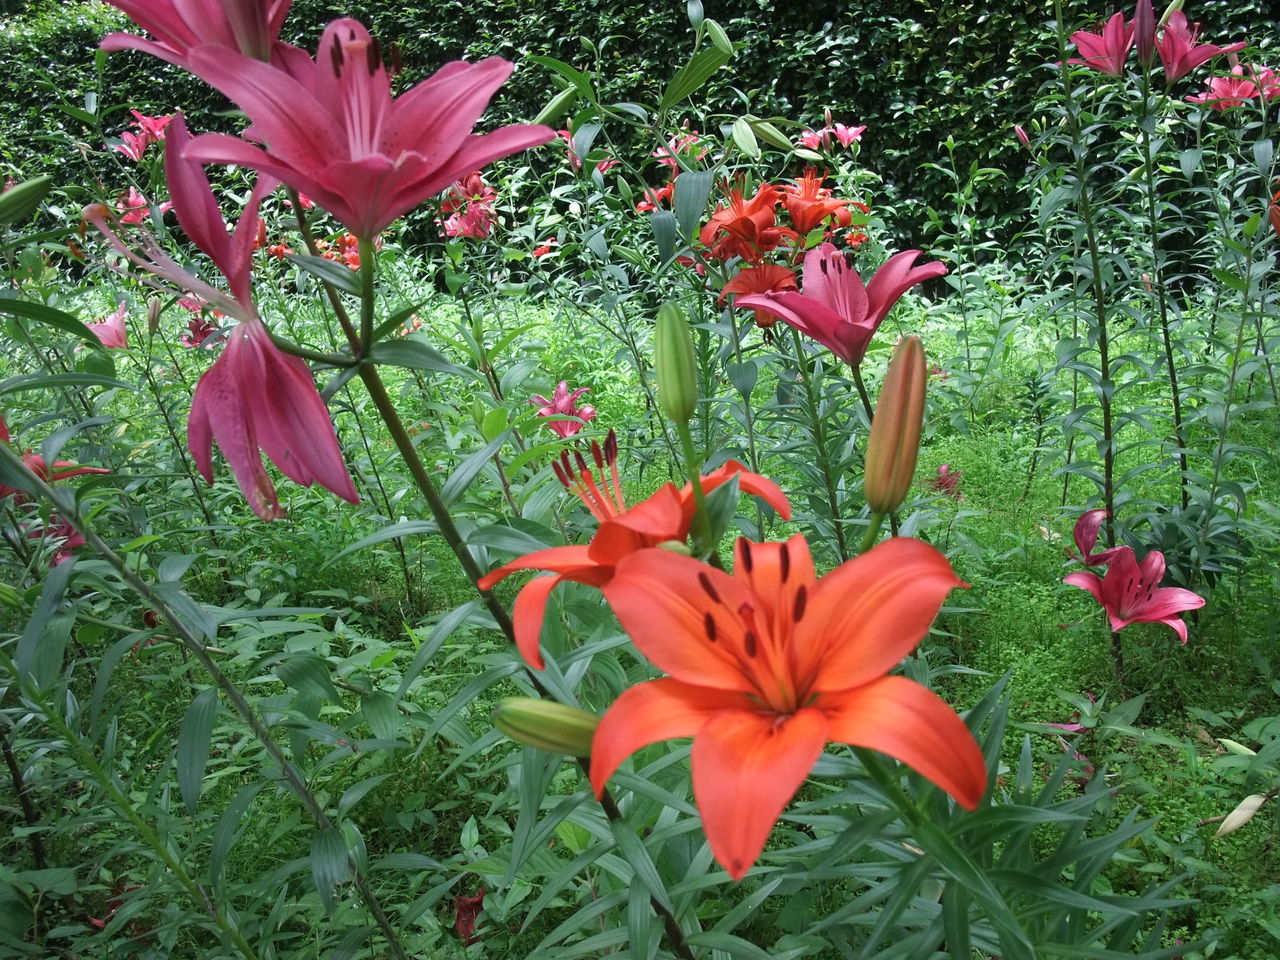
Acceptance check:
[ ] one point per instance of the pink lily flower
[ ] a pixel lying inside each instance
(1180, 50)
(111, 330)
(1131, 592)
(1106, 50)
(250, 27)
(134, 208)
(834, 308)
(256, 397)
(1086, 536)
(561, 404)
(150, 130)
(334, 132)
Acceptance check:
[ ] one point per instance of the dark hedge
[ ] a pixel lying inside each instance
(915, 72)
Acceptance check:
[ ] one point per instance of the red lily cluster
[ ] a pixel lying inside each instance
(1130, 592)
(822, 139)
(1177, 44)
(55, 530)
(765, 665)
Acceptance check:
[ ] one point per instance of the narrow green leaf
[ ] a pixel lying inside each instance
(693, 75)
(693, 187)
(405, 528)
(50, 317)
(356, 792)
(450, 622)
(337, 275)
(41, 381)
(308, 673)
(415, 355)
(379, 710)
(329, 865)
(637, 855)
(44, 639)
(193, 745)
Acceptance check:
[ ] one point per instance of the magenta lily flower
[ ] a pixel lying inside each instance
(561, 404)
(1106, 50)
(1180, 50)
(1131, 592)
(834, 308)
(111, 330)
(1086, 536)
(256, 397)
(250, 27)
(333, 131)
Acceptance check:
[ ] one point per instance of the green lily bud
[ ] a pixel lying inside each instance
(546, 725)
(895, 429)
(674, 364)
(675, 546)
(21, 200)
(1168, 11)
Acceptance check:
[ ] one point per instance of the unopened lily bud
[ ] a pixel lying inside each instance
(1020, 132)
(154, 309)
(21, 200)
(675, 546)
(674, 364)
(1168, 12)
(1144, 31)
(546, 725)
(895, 429)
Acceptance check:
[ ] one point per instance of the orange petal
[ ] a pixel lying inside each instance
(658, 518)
(749, 482)
(656, 710)
(869, 613)
(527, 615)
(747, 766)
(574, 562)
(776, 574)
(899, 717)
(682, 615)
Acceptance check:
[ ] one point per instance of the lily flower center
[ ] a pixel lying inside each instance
(357, 64)
(603, 498)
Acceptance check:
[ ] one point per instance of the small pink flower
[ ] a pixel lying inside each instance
(133, 207)
(821, 139)
(150, 130)
(1021, 133)
(469, 202)
(561, 404)
(686, 146)
(199, 331)
(111, 330)
(57, 529)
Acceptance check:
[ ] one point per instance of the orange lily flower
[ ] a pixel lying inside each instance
(745, 228)
(667, 515)
(768, 664)
(763, 278)
(810, 204)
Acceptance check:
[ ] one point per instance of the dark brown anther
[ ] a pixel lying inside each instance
(373, 54)
(395, 60)
(337, 58)
(744, 551)
(582, 463)
(597, 455)
(708, 588)
(611, 447)
(749, 641)
(709, 626)
(785, 563)
(802, 598)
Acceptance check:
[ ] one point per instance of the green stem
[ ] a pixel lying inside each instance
(873, 530)
(820, 444)
(693, 470)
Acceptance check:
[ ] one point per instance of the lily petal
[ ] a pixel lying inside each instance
(747, 766)
(899, 717)
(870, 612)
(655, 710)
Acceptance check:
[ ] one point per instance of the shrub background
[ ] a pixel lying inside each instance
(916, 75)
